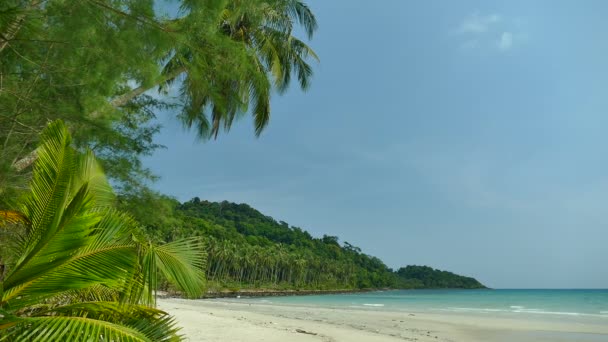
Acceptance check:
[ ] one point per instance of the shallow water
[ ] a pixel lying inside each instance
(552, 336)
(583, 305)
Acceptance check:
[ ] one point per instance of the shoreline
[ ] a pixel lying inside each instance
(245, 293)
(216, 320)
(281, 293)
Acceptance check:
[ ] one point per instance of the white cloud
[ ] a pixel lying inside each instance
(506, 41)
(489, 32)
(476, 23)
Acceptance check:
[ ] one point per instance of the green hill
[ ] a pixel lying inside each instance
(249, 250)
(424, 277)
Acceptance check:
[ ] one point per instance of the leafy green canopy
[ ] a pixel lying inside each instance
(81, 270)
(91, 62)
(429, 278)
(65, 60)
(247, 249)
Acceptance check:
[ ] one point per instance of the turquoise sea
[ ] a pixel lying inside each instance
(585, 305)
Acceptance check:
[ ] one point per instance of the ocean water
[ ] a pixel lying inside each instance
(583, 305)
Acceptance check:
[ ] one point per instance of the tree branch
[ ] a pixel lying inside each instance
(11, 31)
(117, 102)
(26, 161)
(123, 99)
(14, 27)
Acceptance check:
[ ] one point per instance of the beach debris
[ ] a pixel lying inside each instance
(306, 332)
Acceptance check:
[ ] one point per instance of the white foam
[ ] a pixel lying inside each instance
(603, 314)
(373, 304)
(541, 312)
(517, 307)
(473, 310)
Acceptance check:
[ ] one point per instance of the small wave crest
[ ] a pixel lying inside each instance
(521, 309)
(376, 305)
(474, 310)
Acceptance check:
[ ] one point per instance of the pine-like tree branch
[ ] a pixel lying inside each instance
(117, 102)
(14, 27)
(11, 31)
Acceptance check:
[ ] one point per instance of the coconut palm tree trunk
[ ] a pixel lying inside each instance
(125, 98)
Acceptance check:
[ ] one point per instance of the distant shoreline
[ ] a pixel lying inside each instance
(283, 293)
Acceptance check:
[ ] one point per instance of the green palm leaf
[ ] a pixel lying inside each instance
(182, 262)
(86, 271)
(58, 328)
(254, 40)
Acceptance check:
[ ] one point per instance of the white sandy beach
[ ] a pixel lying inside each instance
(213, 320)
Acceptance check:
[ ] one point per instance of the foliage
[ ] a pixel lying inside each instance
(79, 269)
(429, 278)
(251, 40)
(64, 60)
(247, 249)
(95, 63)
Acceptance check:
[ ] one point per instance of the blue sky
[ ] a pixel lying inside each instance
(468, 136)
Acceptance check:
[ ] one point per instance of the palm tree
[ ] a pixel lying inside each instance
(253, 40)
(229, 56)
(83, 271)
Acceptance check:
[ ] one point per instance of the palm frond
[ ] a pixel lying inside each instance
(76, 247)
(74, 328)
(182, 262)
(155, 324)
(301, 12)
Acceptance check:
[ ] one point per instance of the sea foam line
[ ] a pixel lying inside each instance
(603, 314)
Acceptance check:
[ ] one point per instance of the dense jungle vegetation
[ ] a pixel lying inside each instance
(247, 249)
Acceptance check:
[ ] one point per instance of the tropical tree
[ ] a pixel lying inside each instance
(93, 61)
(65, 59)
(79, 269)
(261, 48)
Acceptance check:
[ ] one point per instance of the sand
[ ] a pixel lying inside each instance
(217, 320)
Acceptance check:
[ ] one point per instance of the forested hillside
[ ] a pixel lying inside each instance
(247, 249)
(424, 277)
